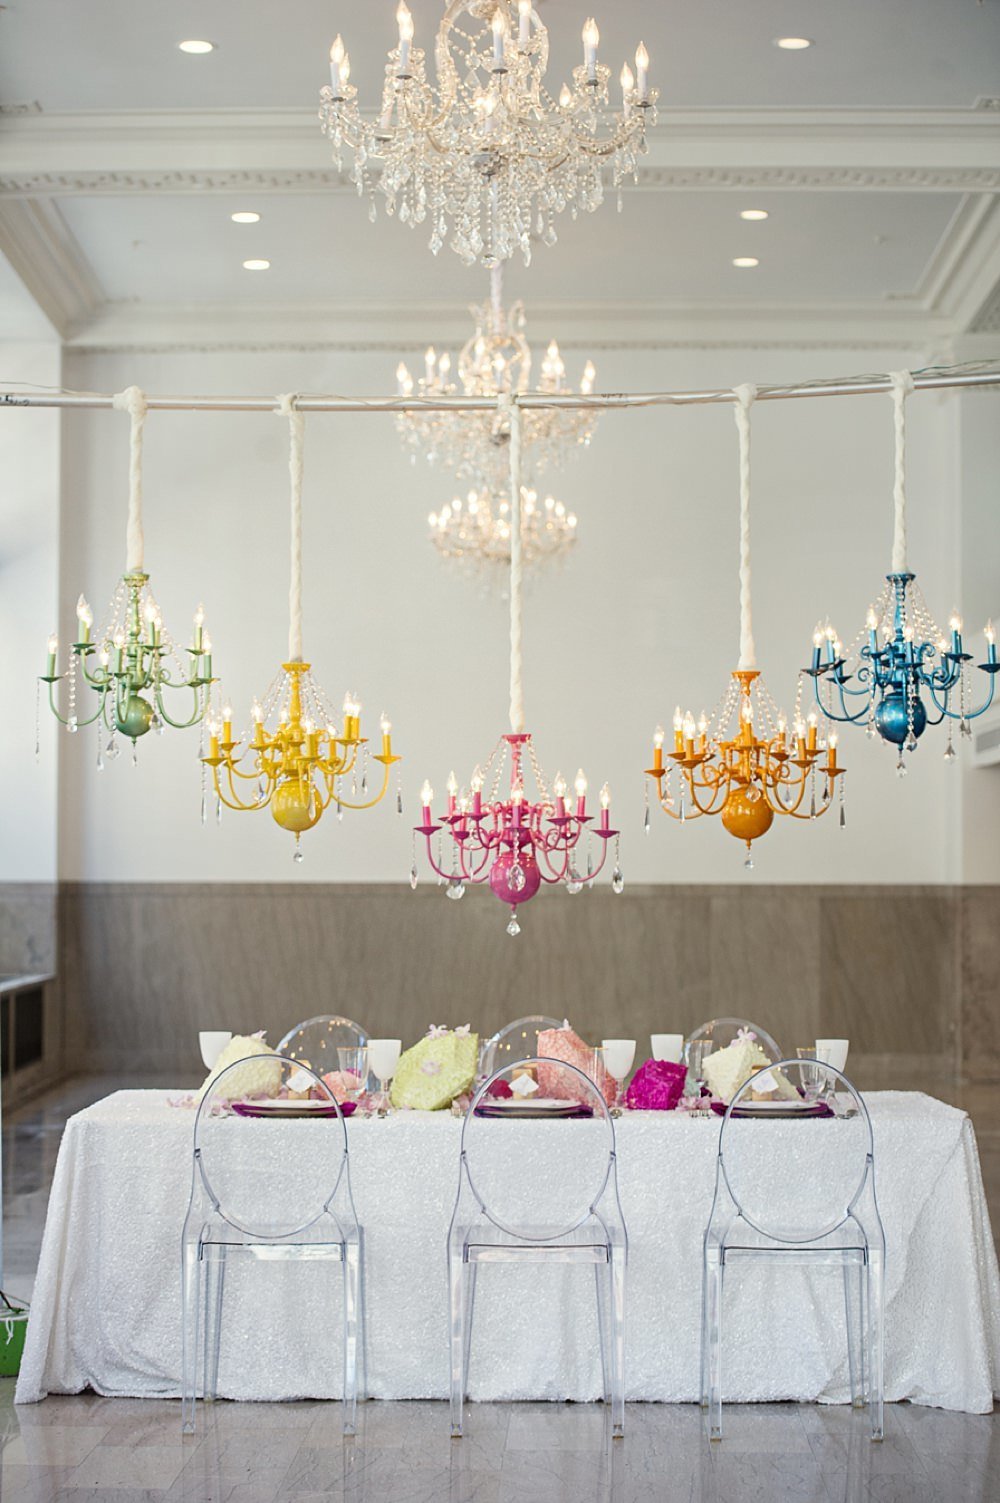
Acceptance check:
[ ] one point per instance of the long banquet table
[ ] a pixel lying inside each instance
(106, 1310)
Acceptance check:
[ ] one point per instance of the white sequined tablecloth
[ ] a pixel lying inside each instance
(106, 1310)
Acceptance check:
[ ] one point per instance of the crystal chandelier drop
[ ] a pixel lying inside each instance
(743, 762)
(478, 529)
(293, 760)
(901, 655)
(130, 662)
(498, 830)
(487, 155)
(496, 360)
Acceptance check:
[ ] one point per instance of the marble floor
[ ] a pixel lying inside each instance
(126, 1450)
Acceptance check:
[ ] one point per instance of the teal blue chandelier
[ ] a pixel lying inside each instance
(901, 673)
(127, 676)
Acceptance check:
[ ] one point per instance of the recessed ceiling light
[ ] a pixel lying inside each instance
(246, 216)
(196, 47)
(744, 214)
(792, 44)
(256, 265)
(745, 261)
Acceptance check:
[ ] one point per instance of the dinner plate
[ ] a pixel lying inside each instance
(285, 1109)
(542, 1107)
(783, 1109)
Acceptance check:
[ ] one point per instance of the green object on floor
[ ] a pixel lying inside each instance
(13, 1328)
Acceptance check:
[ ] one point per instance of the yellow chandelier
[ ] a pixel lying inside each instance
(744, 763)
(294, 760)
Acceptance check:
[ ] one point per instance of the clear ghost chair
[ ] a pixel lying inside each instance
(514, 1042)
(316, 1041)
(273, 1189)
(719, 1033)
(534, 1193)
(799, 1190)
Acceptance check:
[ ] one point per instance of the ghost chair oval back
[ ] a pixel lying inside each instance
(544, 1191)
(795, 1183)
(316, 1041)
(271, 1180)
(514, 1042)
(721, 1032)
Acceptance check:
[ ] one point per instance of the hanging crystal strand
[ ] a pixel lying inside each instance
(100, 758)
(812, 793)
(964, 728)
(399, 792)
(364, 772)
(71, 725)
(617, 879)
(645, 817)
(218, 809)
(204, 775)
(135, 754)
(843, 816)
(949, 751)
(297, 853)
(414, 878)
(681, 814)
(748, 863)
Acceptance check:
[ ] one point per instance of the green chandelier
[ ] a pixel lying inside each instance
(130, 663)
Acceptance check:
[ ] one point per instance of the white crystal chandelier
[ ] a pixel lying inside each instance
(495, 361)
(477, 530)
(486, 154)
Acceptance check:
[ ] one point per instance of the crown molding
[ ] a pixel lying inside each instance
(37, 242)
(282, 151)
(397, 328)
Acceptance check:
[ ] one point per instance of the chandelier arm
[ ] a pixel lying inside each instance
(745, 396)
(343, 803)
(902, 385)
(179, 725)
(296, 433)
(65, 720)
(234, 801)
(133, 401)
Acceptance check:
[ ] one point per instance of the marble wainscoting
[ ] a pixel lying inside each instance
(27, 928)
(909, 974)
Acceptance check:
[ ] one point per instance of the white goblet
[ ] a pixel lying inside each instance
(667, 1046)
(619, 1055)
(212, 1042)
(383, 1057)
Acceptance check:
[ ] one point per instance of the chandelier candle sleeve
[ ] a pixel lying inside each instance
(293, 761)
(901, 673)
(485, 156)
(132, 665)
(739, 763)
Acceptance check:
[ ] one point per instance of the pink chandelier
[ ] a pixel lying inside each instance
(498, 829)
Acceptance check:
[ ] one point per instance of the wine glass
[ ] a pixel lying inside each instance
(383, 1057)
(697, 1050)
(353, 1061)
(212, 1042)
(619, 1055)
(811, 1074)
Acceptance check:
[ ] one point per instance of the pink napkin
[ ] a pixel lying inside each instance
(656, 1086)
(564, 1044)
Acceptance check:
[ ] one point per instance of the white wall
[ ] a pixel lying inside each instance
(29, 587)
(643, 616)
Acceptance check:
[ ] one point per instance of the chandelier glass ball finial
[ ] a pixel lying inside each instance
(488, 155)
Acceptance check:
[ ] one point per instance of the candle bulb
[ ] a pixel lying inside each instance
(581, 794)
(702, 730)
(658, 735)
(811, 721)
(206, 658)
(257, 716)
(565, 97)
(227, 722)
(689, 735)
(831, 637)
(678, 730)
(426, 799)
(831, 751)
(499, 28)
(119, 643)
(559, 789)
(477, 790)
(336, 63)
(404, 381)
(199, 628)
(800, 740)
(817, 646)
(53, 648)
(991, 641)
(85, 617)
(452, 787)
(385, 725)
(312, 737)
(516, 806)
(213, 738)
(591, 37)
(642, 71)
(627, 82)
(523, 23)
(956, 633)
(405, 21)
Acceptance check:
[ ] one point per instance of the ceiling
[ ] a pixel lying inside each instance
(113, 54)
(876, 153)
